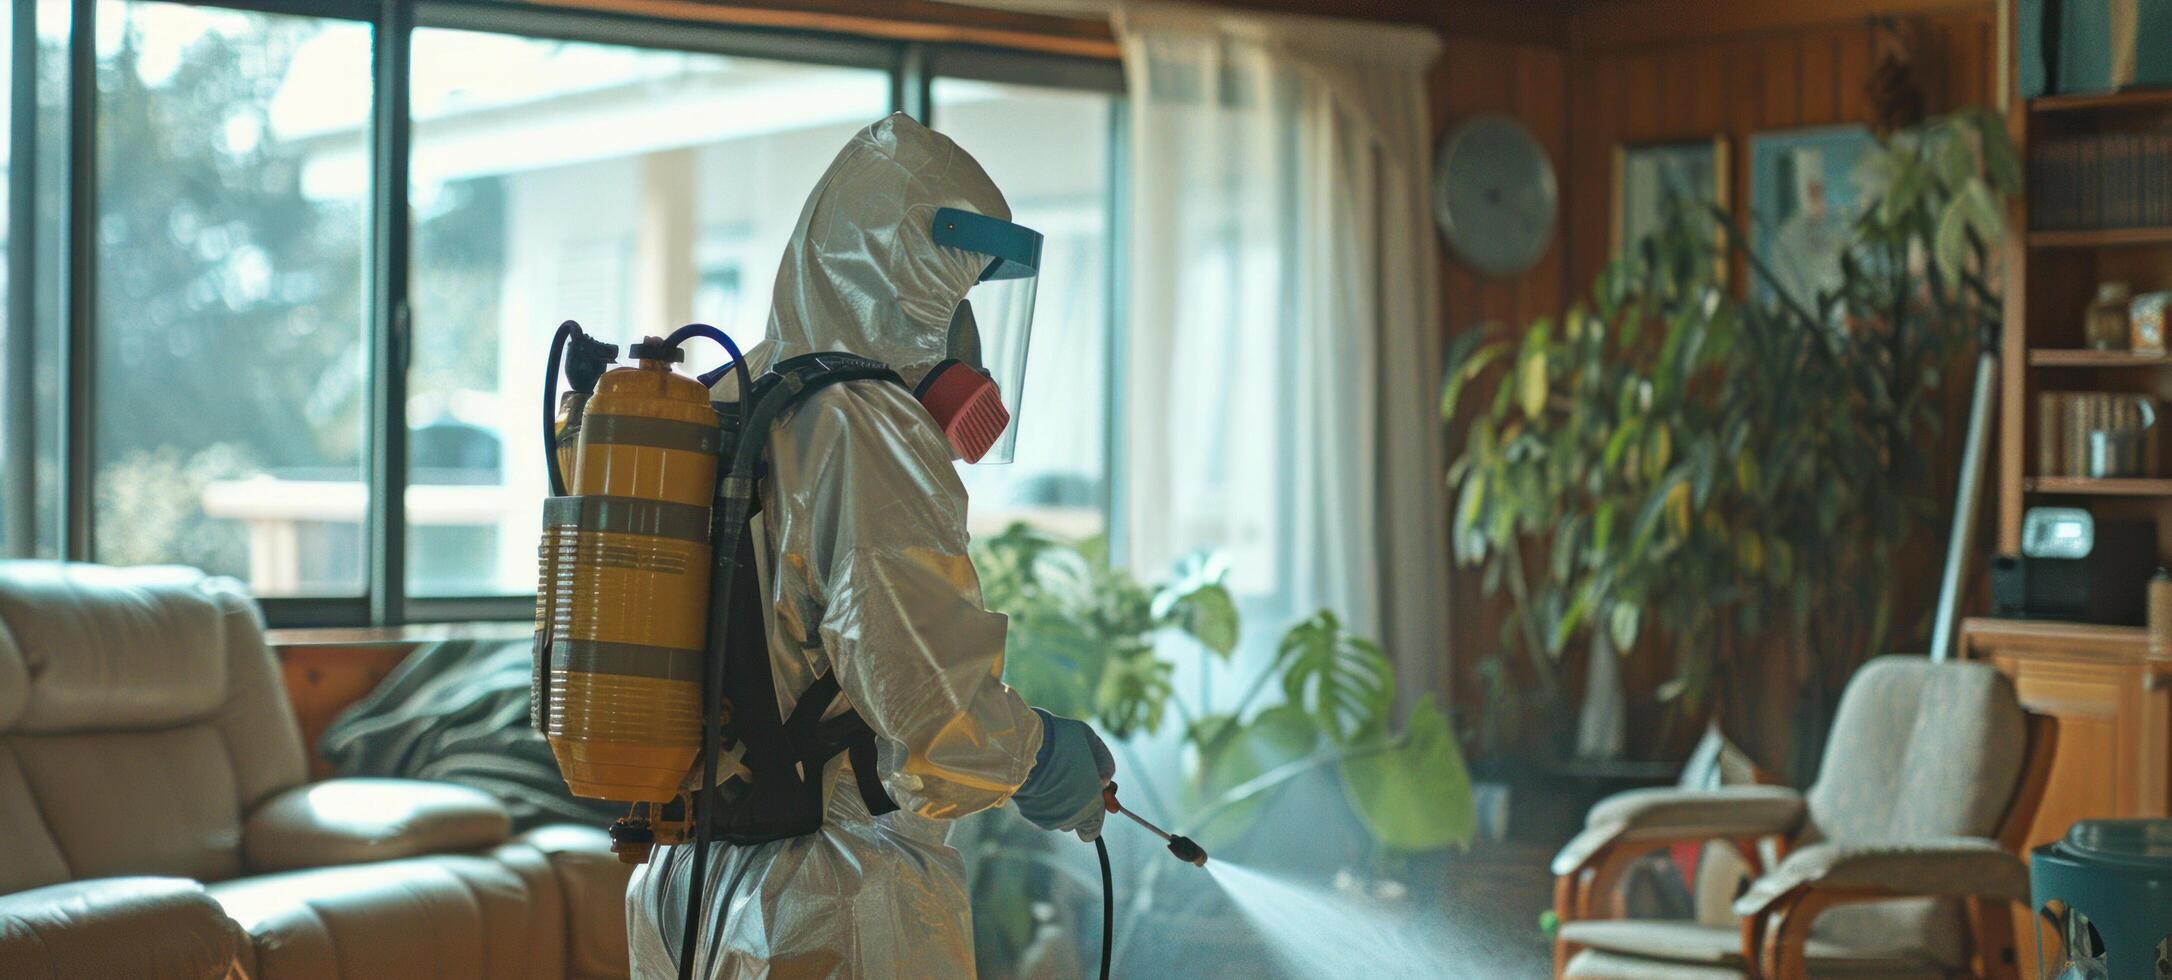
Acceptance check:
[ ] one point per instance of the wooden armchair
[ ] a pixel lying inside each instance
(1900, 862)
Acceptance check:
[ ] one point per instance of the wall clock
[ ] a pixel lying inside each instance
(1494, 195)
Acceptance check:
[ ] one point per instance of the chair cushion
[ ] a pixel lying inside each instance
(1925, 866)
(1679, 944)
(594, 882)
(134, 803)
(1919, 749)
(1596, 964)
(1599, 964)
(488, 916)
(353, 821)
(116, 927)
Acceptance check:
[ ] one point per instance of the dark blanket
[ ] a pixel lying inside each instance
(457, 712)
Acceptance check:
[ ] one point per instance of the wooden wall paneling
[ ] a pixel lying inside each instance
(1642, 114)
(1627, 23)
(1745, 115)
(1526, 81)
(1542, 103)
(1975, 56)
(1819, 88)
(1779, 62)
(1853, 63)
(1529, 81)
(1596, 107)
(1704, 107)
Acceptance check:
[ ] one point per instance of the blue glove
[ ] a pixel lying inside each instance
(1063, 792)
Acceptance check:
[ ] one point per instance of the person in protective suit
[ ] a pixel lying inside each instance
(866, 573)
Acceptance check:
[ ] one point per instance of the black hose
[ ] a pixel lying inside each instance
(738, 362)
(566, 331)
(1108, 906)
(728, 521)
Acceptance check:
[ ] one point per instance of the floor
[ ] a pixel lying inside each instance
(1501, 890)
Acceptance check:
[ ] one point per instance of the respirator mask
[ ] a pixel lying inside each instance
(974, 393)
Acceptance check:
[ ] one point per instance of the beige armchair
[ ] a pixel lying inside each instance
(1899, 862)
(158, 821)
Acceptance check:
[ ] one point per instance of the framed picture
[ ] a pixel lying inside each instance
(1650, 178)
(1806, 188)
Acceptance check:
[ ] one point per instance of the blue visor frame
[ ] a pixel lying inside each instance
(1016, 248)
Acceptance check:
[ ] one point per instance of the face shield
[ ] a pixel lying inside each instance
(991, 327)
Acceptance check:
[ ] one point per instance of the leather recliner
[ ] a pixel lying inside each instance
(154, 797)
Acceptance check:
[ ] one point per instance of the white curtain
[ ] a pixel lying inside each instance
(1282, 350)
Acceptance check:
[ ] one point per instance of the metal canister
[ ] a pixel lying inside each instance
(626, 556)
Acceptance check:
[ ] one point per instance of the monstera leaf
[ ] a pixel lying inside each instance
(1133, 689)
(1197, 602)
(1414, 794)
(1342, 681)
(1231, 754)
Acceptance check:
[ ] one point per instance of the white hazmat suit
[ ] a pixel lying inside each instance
(866, 572)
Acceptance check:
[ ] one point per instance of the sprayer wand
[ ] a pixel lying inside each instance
(1183, 847)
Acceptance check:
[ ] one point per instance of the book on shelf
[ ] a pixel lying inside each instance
(2067, 420)
(2111, 180)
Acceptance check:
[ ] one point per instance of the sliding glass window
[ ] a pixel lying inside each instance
(189, 378)
(630, 189)
(31, 430)
(231, 406)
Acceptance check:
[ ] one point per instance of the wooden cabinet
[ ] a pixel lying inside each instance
(2114, 706)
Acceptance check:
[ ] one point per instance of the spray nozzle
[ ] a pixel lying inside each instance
(1185, 849)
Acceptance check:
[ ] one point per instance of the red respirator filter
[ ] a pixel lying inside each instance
(967, 405)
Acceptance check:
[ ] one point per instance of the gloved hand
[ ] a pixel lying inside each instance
(1063, 791)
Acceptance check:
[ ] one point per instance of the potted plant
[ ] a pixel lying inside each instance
(1667, 470)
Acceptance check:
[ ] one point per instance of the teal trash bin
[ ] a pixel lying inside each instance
(2107, 889)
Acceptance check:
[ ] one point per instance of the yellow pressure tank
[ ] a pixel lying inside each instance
(625, 559)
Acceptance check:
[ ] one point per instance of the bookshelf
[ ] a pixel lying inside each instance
(2142, 100)
(2052, 275)
(2122, 487)
(2087, 358)
(2100, 237)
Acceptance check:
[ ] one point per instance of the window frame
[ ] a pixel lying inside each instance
(384, 601)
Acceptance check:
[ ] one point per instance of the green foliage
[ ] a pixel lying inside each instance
(1081, 640)
(1413, 794)
(1082, 643)
(1228, 756)
(1342, 683)
(1671, 463)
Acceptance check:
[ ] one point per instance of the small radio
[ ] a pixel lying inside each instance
(2075, 567)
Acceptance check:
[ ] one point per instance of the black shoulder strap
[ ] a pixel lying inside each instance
(806, 374)
(806, 738)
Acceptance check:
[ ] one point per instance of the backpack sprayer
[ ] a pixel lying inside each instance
(651, 652)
